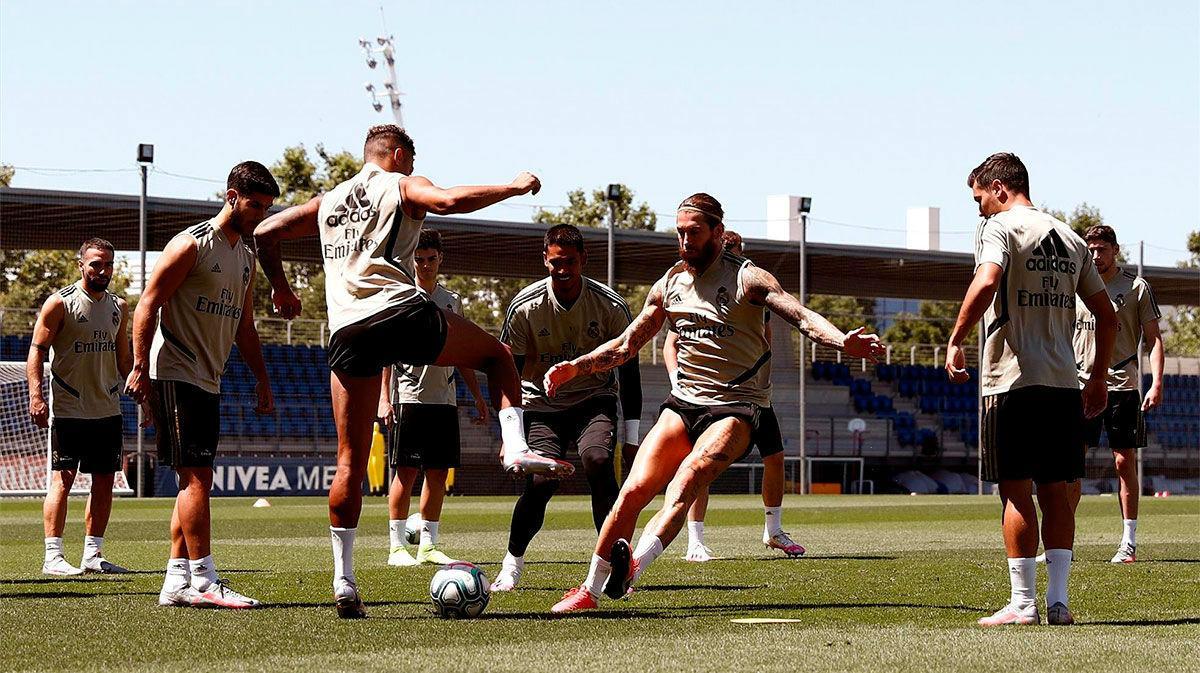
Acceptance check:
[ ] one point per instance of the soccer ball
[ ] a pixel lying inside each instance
(412, 528)
(459, 591)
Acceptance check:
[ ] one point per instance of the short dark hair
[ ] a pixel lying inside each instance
(1101, 232)
(251, 177)
(383, 138)
(709, 207)
(732, 240)
(430, 239)
(98, 243)
(564, 235)
(1005, 167)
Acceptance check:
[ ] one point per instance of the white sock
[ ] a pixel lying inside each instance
(1058, 569)
(1130, 533)
(343, 553)
(395, 534)
(204, 572)
(774, 523)
(429, 533)
(178, 574)
(91, 546)
(647, 556)
(511, 561)
(512, 430)
(1022, 573)
(695, 534)
(53, 548)
(597, 575)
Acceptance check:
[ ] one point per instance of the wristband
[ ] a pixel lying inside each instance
(632, 428)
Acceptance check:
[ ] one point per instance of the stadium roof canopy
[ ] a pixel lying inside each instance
(48, 219)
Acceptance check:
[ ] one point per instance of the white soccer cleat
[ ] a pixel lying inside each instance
(219, 595)
(784, 543)
(698, 553)
(528, 461)
(1127, 553)
(401, 558)
(183, 597)
(1059, 615)
(1011, 614)
(347, 600)
(59, 567)
(509, 577)
(101, 565)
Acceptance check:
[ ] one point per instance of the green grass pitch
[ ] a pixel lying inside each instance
(890, 583)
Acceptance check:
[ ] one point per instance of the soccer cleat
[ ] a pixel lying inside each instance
(98, 564)
(698, 553)
(1011, 614)
(400, 557)
(784, 543)
(574, 600)
(1127, 553)
(183, 597)
(428, 553)
(528, 461)
(508, 578)
(348, 601)
(59, 567)
(624, 570)
(1058, 614)
(219, 595)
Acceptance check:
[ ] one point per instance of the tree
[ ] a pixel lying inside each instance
(594, 213)
(846, 313)
(27, 277)
(6, 175)
(932, 324)
(1082, 218)
(1193, 246)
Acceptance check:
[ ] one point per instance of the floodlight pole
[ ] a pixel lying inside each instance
(141, 449)
(386, 48)
(611, 196)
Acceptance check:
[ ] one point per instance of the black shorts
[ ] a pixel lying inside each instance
(1122, 419)
(588, 426)
(412, 334)
(91, 445)
(698, 417)
(1033, 433)
(187, 421)
(424, 436)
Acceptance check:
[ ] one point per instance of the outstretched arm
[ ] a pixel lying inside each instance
(419, 192)
(616, 351)
(764, 289)
(295, 222)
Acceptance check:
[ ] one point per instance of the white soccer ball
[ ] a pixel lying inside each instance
(459, 591)
(412, 528)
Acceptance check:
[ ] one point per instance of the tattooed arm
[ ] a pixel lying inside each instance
(763, 289)
(617, 351)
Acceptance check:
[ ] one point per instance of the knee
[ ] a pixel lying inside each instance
(596, 462)
(63, 479)
(1122, 459)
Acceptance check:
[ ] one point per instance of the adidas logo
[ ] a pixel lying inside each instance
(355, 208)
(216, 268)
(1051, 254)
(543, 332)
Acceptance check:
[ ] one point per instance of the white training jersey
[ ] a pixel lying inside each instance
(84, 379)
(1031, 320)
(428, 384)
(198, 324)
(1134, 304)
(723, 353)
(367, 244)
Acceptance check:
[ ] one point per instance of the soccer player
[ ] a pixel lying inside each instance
(715, 302)
(378, 316)
(84, 328)
(419, 407)
(768, 439)
(550, 321)
(1137, 317)
(197, 304)
(1029, 268)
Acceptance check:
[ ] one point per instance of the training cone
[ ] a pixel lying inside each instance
(262, 502)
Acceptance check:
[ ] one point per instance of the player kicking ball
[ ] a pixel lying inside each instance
(768, 440)
(85, 329)
(419, 407)
(378, 316)
(715, 301)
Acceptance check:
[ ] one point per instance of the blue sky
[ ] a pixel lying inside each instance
(867, 107)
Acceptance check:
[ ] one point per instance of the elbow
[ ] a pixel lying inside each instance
(446, 205)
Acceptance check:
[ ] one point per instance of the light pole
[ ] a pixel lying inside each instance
(145, 157)
(804, 207)
(613, 195)
(383, 46)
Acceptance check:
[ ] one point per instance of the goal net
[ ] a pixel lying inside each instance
(24, 447)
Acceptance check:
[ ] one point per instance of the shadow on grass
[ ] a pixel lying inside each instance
(731, 610)
(329, 605)
(699, 587)
(849, 557)
(1182, 621)
(1170, 560)
(74, 594)
(86, 579)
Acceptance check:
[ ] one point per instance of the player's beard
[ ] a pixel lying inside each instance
(702, 259)
(238, 223)
(96, 283)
